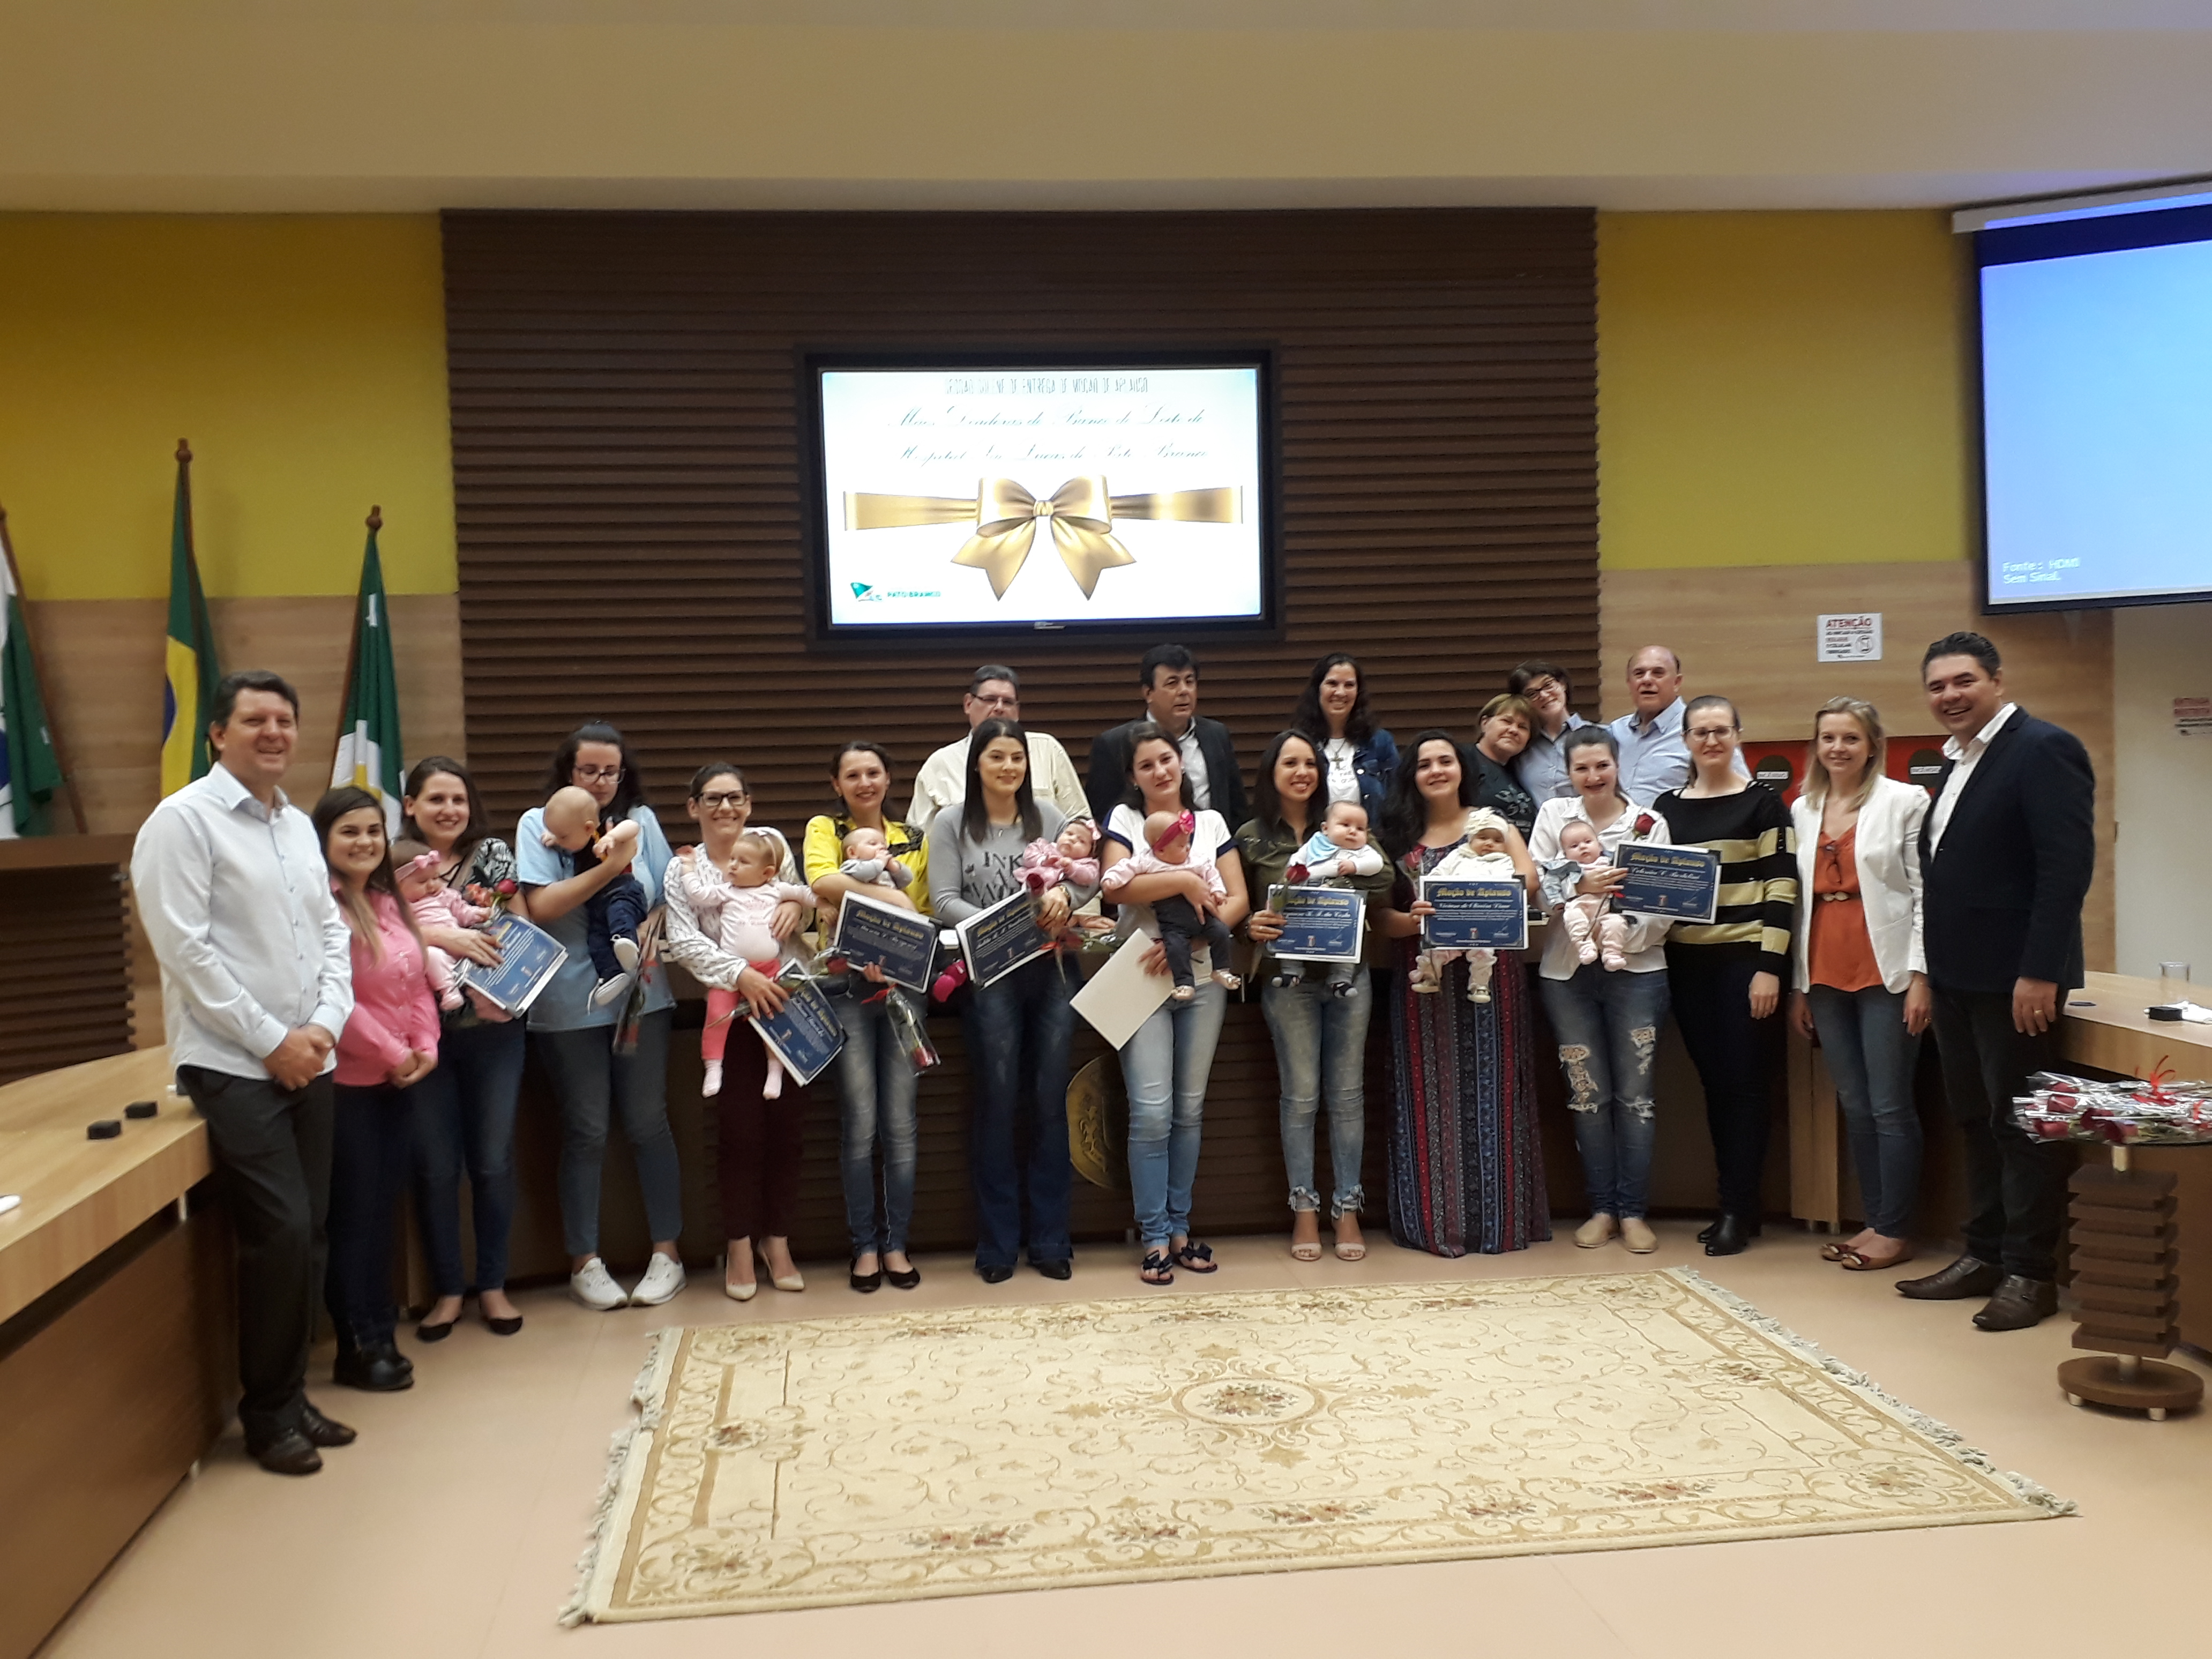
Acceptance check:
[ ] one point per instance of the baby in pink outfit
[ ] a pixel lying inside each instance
(1598, 930)
(1046, 863)
(415, 872)
(734, 910)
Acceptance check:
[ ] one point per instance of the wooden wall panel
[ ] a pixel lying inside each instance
(626, 485)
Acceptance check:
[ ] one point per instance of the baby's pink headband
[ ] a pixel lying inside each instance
(1183, 823)
(422, 864)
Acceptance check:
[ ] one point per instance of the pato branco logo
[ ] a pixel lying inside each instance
(860, 589)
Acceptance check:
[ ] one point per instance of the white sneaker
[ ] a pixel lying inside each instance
(595, 1287)
(662, 1280)
(608, 989)
(626, 953)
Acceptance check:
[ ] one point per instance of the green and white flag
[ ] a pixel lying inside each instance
(368, 731)
(30, 771)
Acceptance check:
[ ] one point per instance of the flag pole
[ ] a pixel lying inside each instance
(375, 522)
(53, 725)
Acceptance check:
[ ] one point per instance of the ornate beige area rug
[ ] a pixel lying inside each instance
(804, 1464)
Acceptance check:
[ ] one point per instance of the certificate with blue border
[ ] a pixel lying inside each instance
(996, 941)
(805, 1033)
(1319, 924)
(1475, 913)
(901, 942)
(529, 956)
(1683, 883)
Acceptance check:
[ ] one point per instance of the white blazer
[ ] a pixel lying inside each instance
(1888, 850)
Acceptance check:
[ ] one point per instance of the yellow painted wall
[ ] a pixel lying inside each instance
(303, 356)
(1781, 388)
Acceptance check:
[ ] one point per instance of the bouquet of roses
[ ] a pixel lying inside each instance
(2150, 1112)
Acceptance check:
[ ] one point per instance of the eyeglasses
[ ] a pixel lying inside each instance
(1711, 733)
(596, 774)
(715, 802)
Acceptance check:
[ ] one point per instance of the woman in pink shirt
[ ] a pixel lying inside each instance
(389, 1044)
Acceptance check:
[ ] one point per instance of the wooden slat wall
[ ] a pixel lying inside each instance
(65, 968)
(627, 483)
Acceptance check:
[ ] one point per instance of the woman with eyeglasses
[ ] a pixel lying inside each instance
(574, 1040)
(757, 1140)
(875, 1071)
(1726, 976)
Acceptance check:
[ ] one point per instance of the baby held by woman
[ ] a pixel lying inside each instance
(1168, 850)
(1599, 931)
(1337, 850)
(1481, 856)
(735, 910)
(614, 913)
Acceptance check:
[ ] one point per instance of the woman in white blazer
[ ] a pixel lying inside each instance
(1859, 959)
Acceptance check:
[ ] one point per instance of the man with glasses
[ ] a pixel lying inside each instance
(994, 693)
(1653, 757)
(1541, 767)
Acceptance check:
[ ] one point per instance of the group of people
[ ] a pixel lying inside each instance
(316, 1020)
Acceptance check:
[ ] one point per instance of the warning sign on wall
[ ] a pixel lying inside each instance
(1854, 638)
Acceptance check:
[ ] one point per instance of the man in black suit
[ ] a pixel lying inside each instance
(2006, 855)
(1169, 682)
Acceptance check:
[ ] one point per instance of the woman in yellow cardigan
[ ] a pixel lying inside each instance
(875, 1075)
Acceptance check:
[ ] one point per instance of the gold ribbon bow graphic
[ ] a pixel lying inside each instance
(1005, 516)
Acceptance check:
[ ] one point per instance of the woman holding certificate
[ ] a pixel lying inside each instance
(1165, 1064)
(1861, 963)
(1605, 1017)
(1466, 1169)
(1319, 1035)
(1019, 1023)
(757, 1139)
(1726, 976)
(875, 1070)
(465, 1111)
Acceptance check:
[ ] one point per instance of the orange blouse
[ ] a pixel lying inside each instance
(1840, 953)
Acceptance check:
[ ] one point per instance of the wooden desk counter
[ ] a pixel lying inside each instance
(118, 1331)
(82, 1196)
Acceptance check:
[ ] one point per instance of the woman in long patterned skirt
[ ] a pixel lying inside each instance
(1467, 1166)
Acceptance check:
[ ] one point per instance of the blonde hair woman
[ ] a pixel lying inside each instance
(1859, 957)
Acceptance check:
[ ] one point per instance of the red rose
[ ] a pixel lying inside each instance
(507, 889)
(1644, 823)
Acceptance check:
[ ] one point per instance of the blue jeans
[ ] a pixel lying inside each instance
(1870, 1056)
(590, 1083)
(1608, 1029)
(1321, 1048)
(1018, 1032)
(876, 1086)
(465, 1119)
(1165, 1067)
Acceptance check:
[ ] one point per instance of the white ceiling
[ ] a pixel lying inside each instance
(413, 105)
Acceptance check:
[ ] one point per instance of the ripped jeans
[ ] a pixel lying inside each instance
(1607, 1026)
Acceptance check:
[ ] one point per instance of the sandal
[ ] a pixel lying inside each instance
(1158, 1269)
(1854, 1262)
(1833, 1252)
(1198, 1257)
(1355, 1250)
(1306, 1250)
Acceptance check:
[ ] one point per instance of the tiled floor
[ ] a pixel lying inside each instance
(453, 1528)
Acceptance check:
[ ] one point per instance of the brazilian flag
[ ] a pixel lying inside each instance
(194, 672)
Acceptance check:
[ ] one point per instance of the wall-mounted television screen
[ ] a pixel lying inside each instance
(976, 496)
(2096, 393)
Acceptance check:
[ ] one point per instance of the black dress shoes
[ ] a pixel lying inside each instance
(1708, 1229)
(506, 1326)
(289, 1453)
(426, 1331)
(866, 1284)
(1965, 1278)
(1730, 1235)
(376, 1370)
(903, 1281)
(1062, 1268)
(321, 1431)
(2018, 1303)
(994, 1273)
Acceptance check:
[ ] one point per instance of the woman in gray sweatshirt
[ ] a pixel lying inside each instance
(1018, 1028)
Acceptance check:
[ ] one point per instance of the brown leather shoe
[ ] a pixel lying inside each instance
(321, 1431)
(1965, 1278)
(287, 1453)
(2018, 1303)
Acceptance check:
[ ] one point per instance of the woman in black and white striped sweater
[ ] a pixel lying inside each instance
(1725, 977)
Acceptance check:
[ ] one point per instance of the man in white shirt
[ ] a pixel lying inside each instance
(256, 984)
(1653, 757)
(995, 693)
